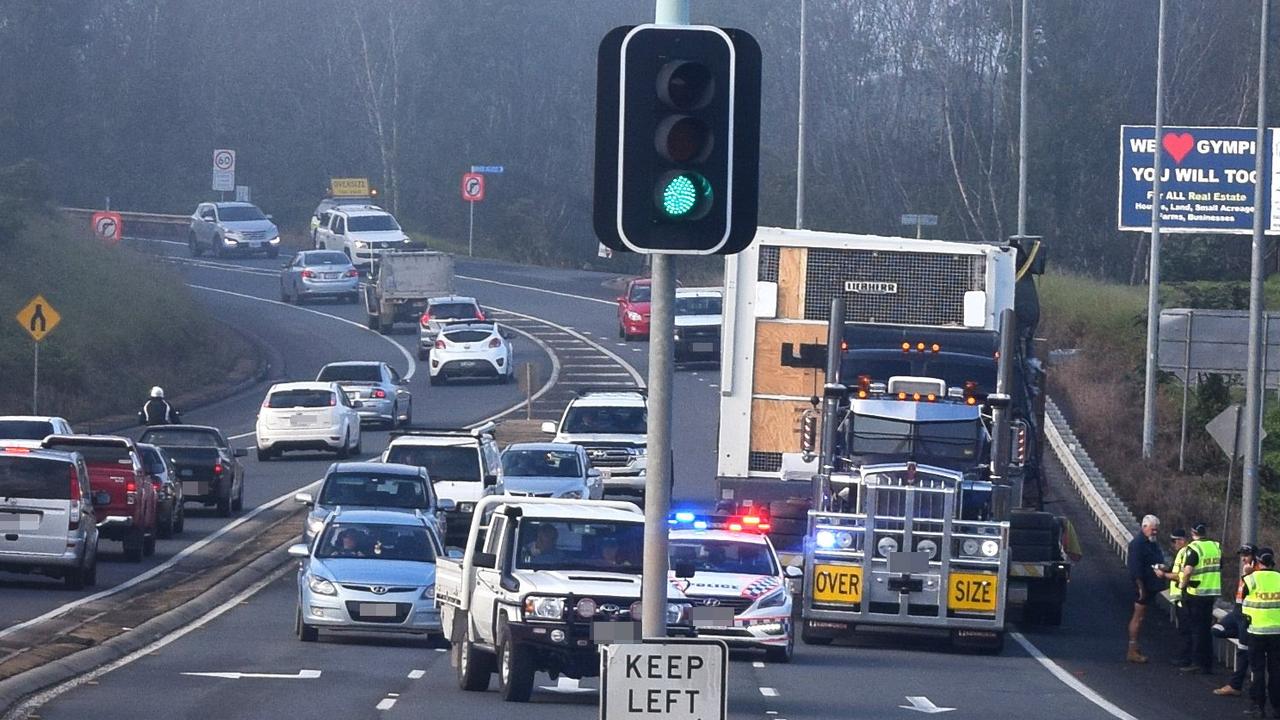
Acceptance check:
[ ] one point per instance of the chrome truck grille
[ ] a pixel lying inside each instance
(901, 288)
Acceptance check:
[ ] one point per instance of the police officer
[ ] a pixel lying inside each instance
(1201, 581)
(1174, 576)
(1232, 625)
(158, 411)
(1262, 612)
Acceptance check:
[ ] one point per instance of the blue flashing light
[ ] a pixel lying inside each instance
(684, 517)
(700, 525)
(825, 539)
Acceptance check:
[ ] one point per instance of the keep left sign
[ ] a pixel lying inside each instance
(667, 679)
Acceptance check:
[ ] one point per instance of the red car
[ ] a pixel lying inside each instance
(124, 498)
(633, 310)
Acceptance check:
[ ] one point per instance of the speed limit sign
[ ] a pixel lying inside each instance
(473, 187)
(224, 170)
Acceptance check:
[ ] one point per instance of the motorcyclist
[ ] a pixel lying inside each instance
(158, 411)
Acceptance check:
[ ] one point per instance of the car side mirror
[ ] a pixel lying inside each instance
(299, 551)
(485, 560)
(304, 498)
(490, 480)
(240, 452)
(549, 427)
(446, 504)
(793, 571)
(270, 216)
(685, 569)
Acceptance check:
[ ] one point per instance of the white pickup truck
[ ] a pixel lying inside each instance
(541, 582)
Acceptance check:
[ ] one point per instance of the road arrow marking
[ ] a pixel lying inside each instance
(919, 703)
(301, 675)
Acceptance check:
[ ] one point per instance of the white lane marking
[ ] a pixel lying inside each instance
(416, 674)
(413, 364)
(757, 664)
(385, 704)
(550, 383)
(635, 374)
(136, 579)
(300, 675)
(768, 692)
(1069, 680)
(91, 677)
(920, 703)
(442, 649)
(541, 290)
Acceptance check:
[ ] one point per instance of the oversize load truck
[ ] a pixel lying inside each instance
(878, 467)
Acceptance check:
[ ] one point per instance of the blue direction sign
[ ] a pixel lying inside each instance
(495, 169)
(1207, 179)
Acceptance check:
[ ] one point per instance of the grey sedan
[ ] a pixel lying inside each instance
(554, 470)
(383, 393)
(319, 273)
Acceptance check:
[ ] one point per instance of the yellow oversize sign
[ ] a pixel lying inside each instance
(349, 187)
(38, 318)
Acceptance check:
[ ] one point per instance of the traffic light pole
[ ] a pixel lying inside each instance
(658, 476)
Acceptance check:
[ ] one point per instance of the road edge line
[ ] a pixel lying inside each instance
(1070, 680)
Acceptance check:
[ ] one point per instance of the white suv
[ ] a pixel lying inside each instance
(363, 232)
(464, 466)
(308, 416)
(613, 426)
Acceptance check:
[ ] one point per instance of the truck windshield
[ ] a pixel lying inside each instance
(541, 463)
(180, 438)
(698, 306)
(376, 542)
(954, 440)
(374, 490)
(444, 463)
(602, 546)
(607, 420)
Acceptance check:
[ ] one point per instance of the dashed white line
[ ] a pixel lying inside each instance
(416, 674)
(757, 664)
(385, 704)
(535, 289)
(768, 692)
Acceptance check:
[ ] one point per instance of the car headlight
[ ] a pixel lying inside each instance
(928, 547)
(675, 613)
(633, 316)
(990, 548)
(429, 592)
(572, 495)
(466, 507)
(320, 586)
(275, 240)
(544, 608)
(360, 244)
(887, 545)
(970, 547)
(406, 239)
(777, 598)
(639, 452)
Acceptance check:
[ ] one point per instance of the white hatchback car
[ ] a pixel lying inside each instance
(308, 416)
(471, 350)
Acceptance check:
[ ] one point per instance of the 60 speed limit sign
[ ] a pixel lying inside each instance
(224, 170)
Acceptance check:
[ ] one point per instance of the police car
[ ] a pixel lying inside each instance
(735, 569)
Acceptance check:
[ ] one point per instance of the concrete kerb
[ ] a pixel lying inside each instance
(15, 689)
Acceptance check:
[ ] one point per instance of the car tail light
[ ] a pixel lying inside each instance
(379, 393)
(426, 319)
(333, 400)
(308, 274)
(496, 342)
(353, 273)
(131, 491)
(217, 469)
(439, 344)
(73, 517)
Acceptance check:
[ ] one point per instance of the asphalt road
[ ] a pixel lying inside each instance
(1081, 674)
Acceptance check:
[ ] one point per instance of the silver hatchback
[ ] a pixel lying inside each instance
(319, 274)
(46, 516)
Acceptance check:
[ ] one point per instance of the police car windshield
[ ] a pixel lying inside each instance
(724, 556)
(601, 546)
(374, 490)
(376, 542)
(954, 439)
(541, 463)
(607, 420)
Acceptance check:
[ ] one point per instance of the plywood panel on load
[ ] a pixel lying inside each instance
(771, 376)
(791, 281)
(775, 425)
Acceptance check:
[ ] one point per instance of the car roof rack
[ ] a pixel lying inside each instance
(611, 389)
(421, 431)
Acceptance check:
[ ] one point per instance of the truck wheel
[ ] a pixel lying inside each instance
(515, 671)
(305, 632)
(385, 324)
(133, 546)
(149, 544)
(473, 673)
(811, 637)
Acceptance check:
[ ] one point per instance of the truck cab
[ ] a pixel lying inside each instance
(542, 582)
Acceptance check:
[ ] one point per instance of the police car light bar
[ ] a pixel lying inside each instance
(752, 523)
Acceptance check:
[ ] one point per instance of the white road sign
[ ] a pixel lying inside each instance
(224, 170)
(667, 679)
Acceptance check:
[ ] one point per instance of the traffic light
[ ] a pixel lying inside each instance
(677, 139)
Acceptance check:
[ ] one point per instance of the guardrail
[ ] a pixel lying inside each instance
(158, 226)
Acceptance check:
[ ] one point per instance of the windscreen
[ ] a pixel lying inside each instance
(371, 223)
(541, 463)
(956, 439)
(351, 373)
(374, 490)
(180, 438)
(240, 213)
(152, 460)
(443, 463)
(375, 541)
(325, 258)
(571, 545)
(25, 429)
(723, 556)
(34, 478)
(467, 336)
(97, 453)
(454, 311)
(607, 420)
(639, 293)
(301, 399)
(698, 306)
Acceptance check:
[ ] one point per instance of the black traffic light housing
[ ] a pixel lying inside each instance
(677, 139)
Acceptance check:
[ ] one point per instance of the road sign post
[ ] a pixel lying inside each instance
(224, 170)
(38, 319)
(472, 193)
(919, 221)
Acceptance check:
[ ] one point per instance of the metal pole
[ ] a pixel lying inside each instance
(800, 126)
(1254, 380)
(35, 380)
(1022, 129)
(1186, 382)
(1231, 469)
(657, 487)
(1153, 274)
(471, 230)
(832, 391)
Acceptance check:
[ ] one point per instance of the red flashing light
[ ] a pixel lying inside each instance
(735, 527)
(750, 520)
(764, 527)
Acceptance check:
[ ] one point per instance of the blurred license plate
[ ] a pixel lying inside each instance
(377, 609)
(10, 522)
(191, 487)
(468, 363)
(330, 276)
(302, 420)
(702, 347)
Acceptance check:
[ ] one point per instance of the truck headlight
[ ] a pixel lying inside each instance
(633, 316)
(544, 608)
(887, 545)
(675, 613)
(990, 548)
(928, 547)
(777, 598)
(320, 586)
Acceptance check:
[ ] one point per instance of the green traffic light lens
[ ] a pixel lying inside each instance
(684, 195)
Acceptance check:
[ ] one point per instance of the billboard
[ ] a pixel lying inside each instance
(1207, 179)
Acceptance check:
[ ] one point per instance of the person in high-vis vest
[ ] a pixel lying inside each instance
(1261, 607)
(1200, 579)
(1174, 576)
(1232, 625)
